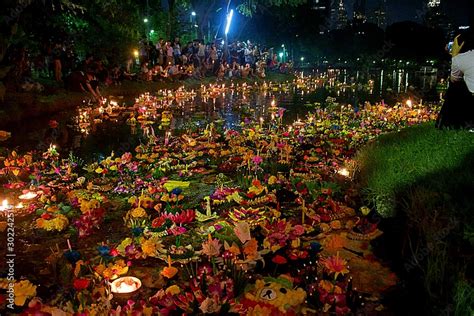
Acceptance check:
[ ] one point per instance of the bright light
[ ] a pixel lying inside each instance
(145, 20)
(302, 58)
(152, 31)
(135, 53)
(281, 55)
(282, 45)
(229, 20)
(193, 13)
(222, 42)
(409, 103)
(344, 172)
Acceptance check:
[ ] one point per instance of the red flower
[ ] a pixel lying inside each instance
(279, 259)
(46, 216)
(81, 284)
(158, 222)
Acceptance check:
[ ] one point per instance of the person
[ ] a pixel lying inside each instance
(458, 108)
(80, 81)
(213, 53)
(201, 52)
(145, 72)
(153, 53)
(57, 54)
(169, 53)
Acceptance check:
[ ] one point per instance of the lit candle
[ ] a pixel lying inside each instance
(28, 196)
(167, 136)
(5, 206)
(261, 122)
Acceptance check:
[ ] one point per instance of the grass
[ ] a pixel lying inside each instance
(464, 298)
(423, 179)
(418, 157)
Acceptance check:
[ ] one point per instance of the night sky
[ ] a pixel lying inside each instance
(403, 10)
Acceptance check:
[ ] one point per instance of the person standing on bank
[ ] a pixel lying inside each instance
(458, 108)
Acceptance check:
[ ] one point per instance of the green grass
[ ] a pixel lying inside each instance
(464, 298)
(418, 158)
(425, 177)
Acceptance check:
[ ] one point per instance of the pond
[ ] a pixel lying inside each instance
(91, 134)
(277, 198)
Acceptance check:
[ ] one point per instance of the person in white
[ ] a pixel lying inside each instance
(462, 67)
(458, 107)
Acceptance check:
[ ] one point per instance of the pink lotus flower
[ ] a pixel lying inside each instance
(178, 230)
(257, 160)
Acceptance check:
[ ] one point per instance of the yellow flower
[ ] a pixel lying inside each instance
(138, 212)
(100, 269)
(23, 290)
(147, 311)
(151, 247)
(173, 290)
(295, 243)
(114, 271)
(272, 180)
(77, 269)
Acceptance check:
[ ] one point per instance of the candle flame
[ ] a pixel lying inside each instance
(344, 172)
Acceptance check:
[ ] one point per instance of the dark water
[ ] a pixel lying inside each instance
(90, 136)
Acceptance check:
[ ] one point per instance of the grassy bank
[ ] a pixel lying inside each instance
(19, 106)
(421, 180)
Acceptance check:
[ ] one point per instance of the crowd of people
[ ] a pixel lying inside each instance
(160, 61)
(171, 60)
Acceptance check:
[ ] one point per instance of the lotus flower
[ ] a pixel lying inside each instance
(257, 160)
(211, 247)
(335, 265)
(279, 260)
(184, 217)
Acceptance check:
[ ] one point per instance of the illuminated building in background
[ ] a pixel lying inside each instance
(320, 5)
(434, 3)
(360, 14)
(435, 18)
(379, 16)
(338, 17)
